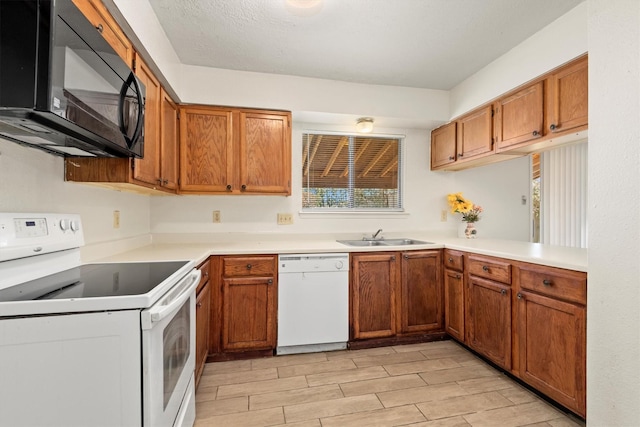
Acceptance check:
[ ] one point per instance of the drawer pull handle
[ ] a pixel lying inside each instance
(503, 291)
(547, 282)
(249, 266)
(485, 268)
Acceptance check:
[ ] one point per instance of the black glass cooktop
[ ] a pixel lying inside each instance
(94, 280)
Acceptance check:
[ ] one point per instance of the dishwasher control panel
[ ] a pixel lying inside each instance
(306, 263)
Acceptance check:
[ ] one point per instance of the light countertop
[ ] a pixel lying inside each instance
(200, 247)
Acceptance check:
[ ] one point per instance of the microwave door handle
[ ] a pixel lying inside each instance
(123, 94)
(160, 311)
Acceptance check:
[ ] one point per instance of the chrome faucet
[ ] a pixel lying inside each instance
(375, 235)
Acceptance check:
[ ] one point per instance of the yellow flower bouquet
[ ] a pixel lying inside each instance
(469, 211)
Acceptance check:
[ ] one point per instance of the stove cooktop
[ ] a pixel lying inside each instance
(94, 281)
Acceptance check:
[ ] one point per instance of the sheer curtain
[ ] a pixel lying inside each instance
(563, 188)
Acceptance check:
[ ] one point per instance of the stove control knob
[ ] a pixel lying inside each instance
(339, 265)
(64, 224)
(75, 225)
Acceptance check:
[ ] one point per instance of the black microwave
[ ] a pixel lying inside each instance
(63, 88)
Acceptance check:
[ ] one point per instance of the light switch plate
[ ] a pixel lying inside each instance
(216, 217)
(443, 215)
(116, 219)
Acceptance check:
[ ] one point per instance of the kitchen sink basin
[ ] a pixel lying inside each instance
(383, 242)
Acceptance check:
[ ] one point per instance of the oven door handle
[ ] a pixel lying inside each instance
(182, 293)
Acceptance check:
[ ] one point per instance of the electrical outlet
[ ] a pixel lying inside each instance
(285, 219)
(116, 219)
(443, 215)
(216, 216)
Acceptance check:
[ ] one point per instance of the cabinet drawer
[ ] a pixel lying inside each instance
(490, 268)
(248, 266)
(554, 282)
(453, 260)
(204, 278)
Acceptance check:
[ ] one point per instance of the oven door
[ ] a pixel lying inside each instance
(168, 356)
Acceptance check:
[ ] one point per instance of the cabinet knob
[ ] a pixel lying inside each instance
(460, 154)
(503, 291)
(519, 296)
(450, 259)
(100, 28)
(198, 305)
(547, 282)
(165, 181)
(243, 187)
(393, 258)
(451, 158)
(536, 133)
(485, 268)
(406, 257)
(159, 181)
(206, 274)
(270, 281)
(228, 187)
(249, 266)
(458, 276)
(553, 127)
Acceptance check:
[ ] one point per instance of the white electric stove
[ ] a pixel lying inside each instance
(98, 344)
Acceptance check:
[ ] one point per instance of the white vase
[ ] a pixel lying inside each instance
(470, 231)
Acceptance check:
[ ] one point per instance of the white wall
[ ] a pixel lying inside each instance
(499, 188)
(425, 193)
(33, 181)
(613, 300)
(557, 43)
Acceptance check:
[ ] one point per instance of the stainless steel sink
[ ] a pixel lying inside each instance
(384, 242)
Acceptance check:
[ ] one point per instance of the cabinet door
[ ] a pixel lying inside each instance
(475, 133)
(568, 97)
(104, 23)
(443, 145)
(553, 348)
(454, 304)
(374, 283)
(147, 169)
(265, 153)
(421, 292)
(168, 142)
(206, 150)
(489, 320)
(248, 313)
(519, 117)
(203, 313)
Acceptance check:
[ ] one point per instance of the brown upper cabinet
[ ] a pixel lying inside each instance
(549, 111)
(567, 101)
(104, 23)
(519, 117)
(475, 133)
(443, 145)
(234, 151)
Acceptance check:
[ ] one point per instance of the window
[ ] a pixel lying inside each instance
(351, 172)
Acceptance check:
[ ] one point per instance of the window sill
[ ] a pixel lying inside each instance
(352, 214)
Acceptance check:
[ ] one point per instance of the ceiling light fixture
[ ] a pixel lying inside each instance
(364, 124)
(303, 7)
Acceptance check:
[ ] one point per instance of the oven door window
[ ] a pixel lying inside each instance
(176, 350)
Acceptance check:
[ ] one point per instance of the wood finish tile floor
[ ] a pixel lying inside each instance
(438, 384)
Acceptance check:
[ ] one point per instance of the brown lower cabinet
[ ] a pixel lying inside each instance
(395, 295)
(244, 306)
(203, 315)
(526, 318)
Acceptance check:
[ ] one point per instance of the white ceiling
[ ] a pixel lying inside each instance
(432, 44)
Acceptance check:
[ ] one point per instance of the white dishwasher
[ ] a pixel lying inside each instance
(313, 302)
